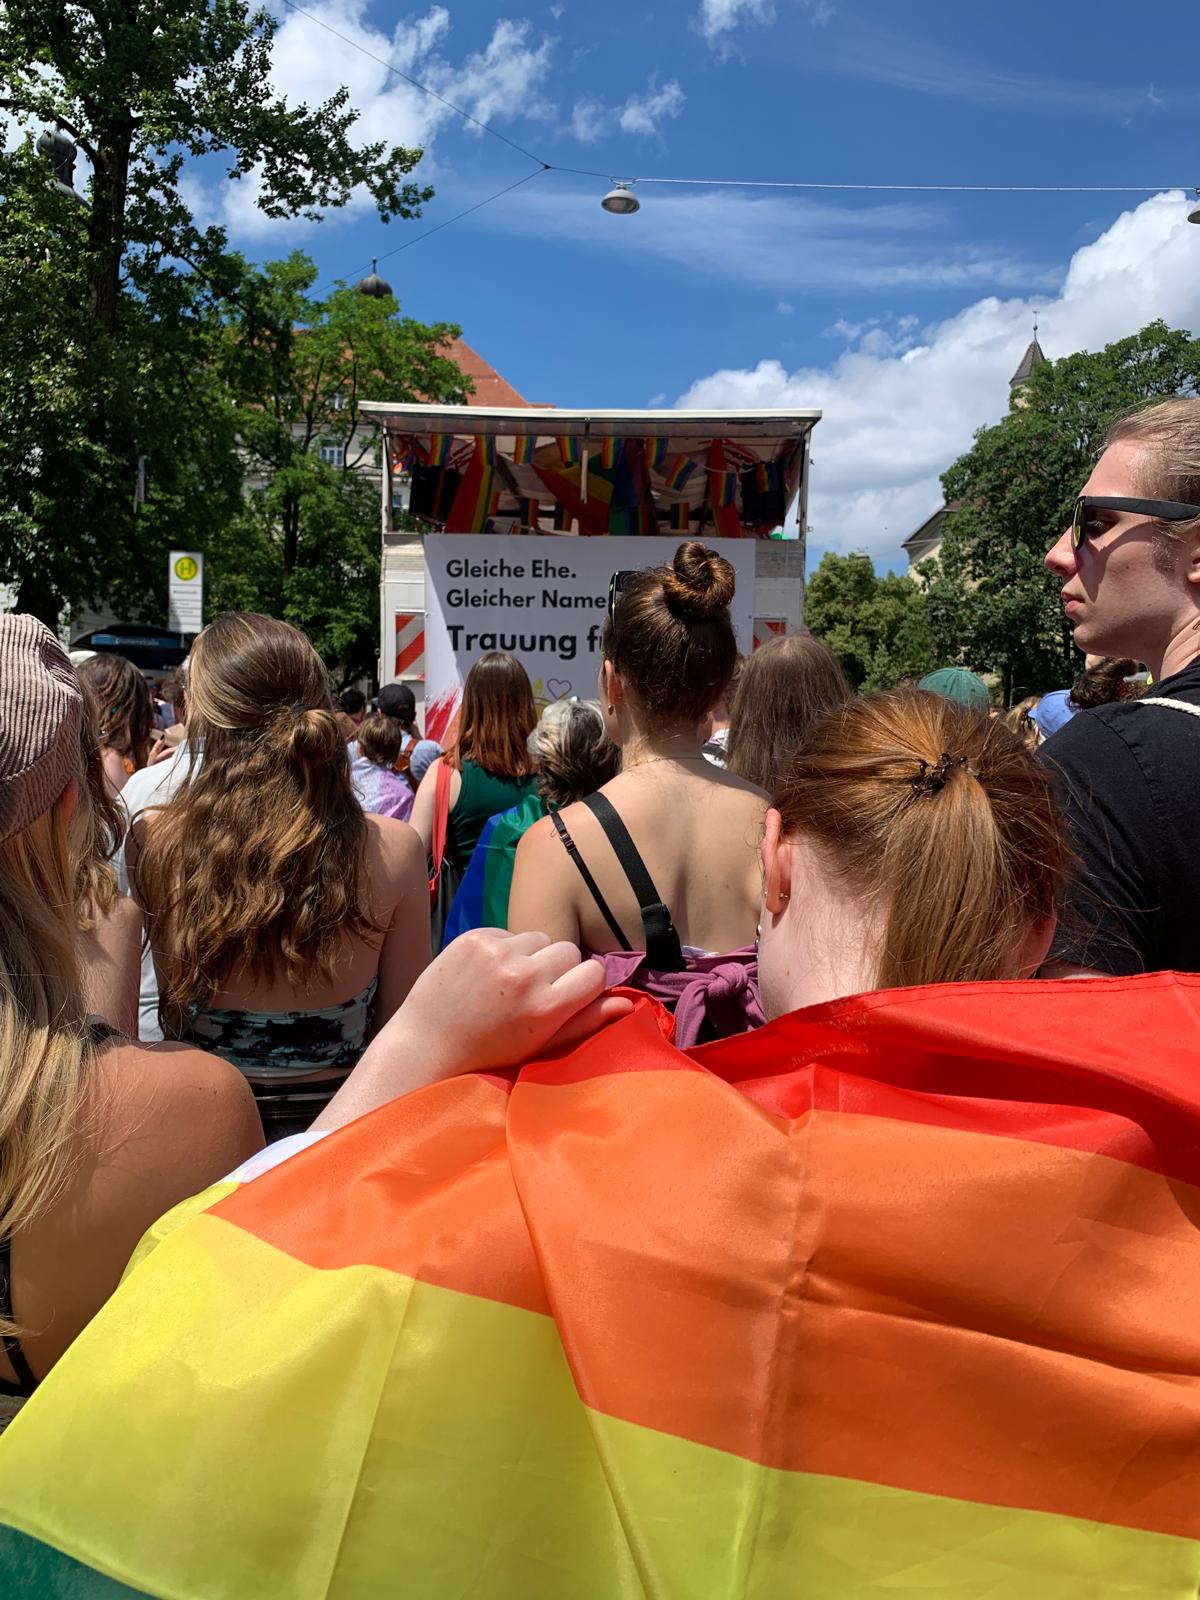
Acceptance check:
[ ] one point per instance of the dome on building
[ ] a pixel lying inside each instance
(375, 286)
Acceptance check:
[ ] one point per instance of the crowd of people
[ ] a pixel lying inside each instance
(276, 913)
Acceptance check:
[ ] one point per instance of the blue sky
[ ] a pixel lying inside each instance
(901, 314)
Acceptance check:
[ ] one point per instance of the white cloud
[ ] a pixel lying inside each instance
(878, 54)
(643, 113)
(591, 119)
(502, 81)
(720, 17)
(784, 245)
(897, 413)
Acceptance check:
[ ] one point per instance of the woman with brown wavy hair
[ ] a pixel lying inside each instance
(490, 764)
(125, 715)
(287, 925)
(784, 688)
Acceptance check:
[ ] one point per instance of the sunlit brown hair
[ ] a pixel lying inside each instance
(1103, 683)
(1019, 720)
(940, 822)
(255, 867)
(380, 739)
(784, 688)
(124, 706)
(495, 719)
(672, 640)
(97, 824)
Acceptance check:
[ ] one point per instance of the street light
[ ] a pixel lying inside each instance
(620, 200)
(60, 152)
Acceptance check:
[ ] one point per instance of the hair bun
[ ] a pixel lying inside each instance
(698, 584)
(315, 736)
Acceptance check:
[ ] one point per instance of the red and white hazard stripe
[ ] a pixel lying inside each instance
(768, 628)
(410, 645)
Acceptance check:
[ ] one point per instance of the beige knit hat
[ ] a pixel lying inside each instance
(40, 710)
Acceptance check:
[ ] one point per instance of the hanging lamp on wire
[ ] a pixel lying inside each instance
(620, 199)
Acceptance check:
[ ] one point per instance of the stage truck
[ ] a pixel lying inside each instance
(502, 529)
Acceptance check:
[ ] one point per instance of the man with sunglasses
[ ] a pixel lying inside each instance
(1128, 775)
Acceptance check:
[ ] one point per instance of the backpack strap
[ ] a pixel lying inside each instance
(663, 951)
(572, 850)
(1171, 705)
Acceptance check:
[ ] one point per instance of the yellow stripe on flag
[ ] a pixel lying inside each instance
(332, 1434)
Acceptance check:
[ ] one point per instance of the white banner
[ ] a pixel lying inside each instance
(543, 600)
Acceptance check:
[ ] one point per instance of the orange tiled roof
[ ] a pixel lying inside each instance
(490, 388)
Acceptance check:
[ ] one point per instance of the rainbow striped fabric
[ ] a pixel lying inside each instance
(523, 447)
(678, 471)
(477, 498)
(898, 1295)
(482, 898)
(440, 447)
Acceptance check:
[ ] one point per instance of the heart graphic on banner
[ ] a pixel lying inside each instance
(558, 688)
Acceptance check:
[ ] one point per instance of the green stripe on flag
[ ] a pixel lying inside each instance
(36, 1571)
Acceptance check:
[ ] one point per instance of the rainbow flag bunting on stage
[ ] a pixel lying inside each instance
(570, 451)
(656, 454)
(619, 498)
(562, 519)
(678, 472)
(722, 489)
(477, 498)
(440, 447)
(523, 447)
(896, 1295)
(528, 511)
(680, 517)
(610, 449)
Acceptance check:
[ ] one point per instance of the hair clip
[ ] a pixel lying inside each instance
(932, 775)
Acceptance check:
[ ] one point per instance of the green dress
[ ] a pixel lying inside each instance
(482, 795)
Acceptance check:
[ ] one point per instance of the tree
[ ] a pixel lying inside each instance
(875, 626)
(990, 600)
(126, 293)
(305, 542)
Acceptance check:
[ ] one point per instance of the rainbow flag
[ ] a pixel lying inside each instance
(723, 493)
(482, 898)
(681, 517)
(570, 451)
(678, 471)
(477, 499)
(895, 1295)
(528, 511)
(562, 519)
(656, 453)
(523, 447)
(440, 447)
(610, 449)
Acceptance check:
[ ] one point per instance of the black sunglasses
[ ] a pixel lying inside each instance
(1084, 522)
(617, 584)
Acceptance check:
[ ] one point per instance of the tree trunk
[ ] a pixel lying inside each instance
(36, 599)
(106, 228)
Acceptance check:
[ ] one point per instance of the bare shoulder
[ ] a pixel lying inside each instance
(389, 839)
(183, 1110)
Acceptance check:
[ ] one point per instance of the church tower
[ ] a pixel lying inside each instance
(1030, 361)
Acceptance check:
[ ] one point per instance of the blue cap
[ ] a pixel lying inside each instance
(1053, 711)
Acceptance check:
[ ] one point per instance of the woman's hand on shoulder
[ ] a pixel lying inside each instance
(491, 1000)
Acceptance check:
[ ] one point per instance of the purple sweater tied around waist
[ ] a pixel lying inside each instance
(713, 997)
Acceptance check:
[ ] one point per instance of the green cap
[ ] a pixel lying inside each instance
(956, 683)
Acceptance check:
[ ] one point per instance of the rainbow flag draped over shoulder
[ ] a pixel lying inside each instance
(482, 898)
(896, 1295)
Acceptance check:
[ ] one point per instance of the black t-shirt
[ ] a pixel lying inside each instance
(1128, 780)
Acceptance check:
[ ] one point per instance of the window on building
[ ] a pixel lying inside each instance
(334, 454)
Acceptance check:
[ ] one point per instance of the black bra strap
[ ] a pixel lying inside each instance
(573, 851)
(12, 1345)
(663, 952)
